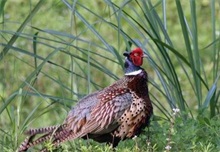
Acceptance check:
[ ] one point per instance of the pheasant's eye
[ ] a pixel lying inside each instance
(135, 54)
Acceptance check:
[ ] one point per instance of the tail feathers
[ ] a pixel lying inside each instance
(56, 137)
(65, 136)
(55, 134)
(27, 143)
(24, 144)
(32, 132)
(50, 133)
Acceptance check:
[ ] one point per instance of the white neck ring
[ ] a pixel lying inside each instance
(134, 72)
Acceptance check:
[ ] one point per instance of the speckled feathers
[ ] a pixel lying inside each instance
(114, 113)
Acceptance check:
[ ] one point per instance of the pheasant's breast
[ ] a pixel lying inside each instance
(133, 118)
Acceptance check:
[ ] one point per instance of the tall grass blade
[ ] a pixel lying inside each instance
(215, 47)
(20, 29)
(195, 49)
(2, 5)
(35, 48)
(185, 32)
(27, 80)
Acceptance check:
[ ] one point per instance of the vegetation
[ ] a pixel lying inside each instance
(55, 52)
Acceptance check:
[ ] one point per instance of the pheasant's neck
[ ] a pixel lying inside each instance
(131, 69)
(138, 83)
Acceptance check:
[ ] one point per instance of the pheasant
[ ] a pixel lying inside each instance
(115, 113)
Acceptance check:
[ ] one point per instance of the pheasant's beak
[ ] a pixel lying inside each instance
(145, 56)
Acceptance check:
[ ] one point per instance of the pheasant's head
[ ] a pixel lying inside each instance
(133, 61)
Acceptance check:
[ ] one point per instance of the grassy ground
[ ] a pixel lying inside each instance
(55, 52)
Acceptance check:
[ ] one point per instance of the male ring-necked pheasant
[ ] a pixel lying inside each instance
(112, 114)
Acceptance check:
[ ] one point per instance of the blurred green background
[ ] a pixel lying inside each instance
(55, 52)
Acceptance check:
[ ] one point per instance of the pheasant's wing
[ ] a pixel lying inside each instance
(104, 116)
(98, 113)
(78, 116)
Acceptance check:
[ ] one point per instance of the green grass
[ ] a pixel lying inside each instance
(52, 53)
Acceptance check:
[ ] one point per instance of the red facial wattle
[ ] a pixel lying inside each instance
(137, 56)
